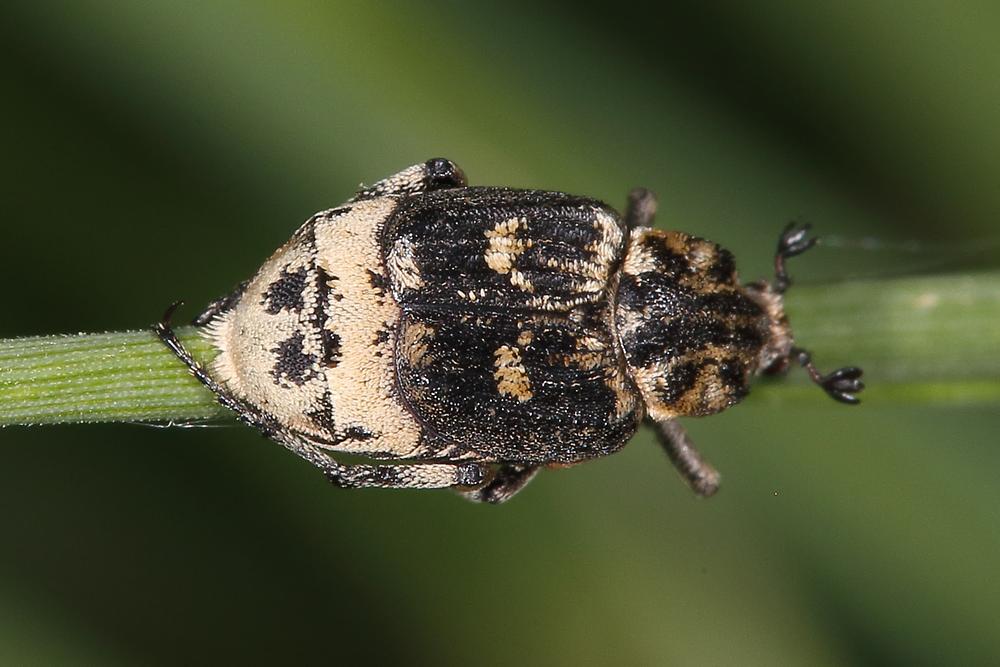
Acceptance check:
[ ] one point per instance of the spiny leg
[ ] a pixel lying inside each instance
(415, 476)
(220, 305)
(435, 174)
(507, 481)
(696, 471)
(640, 209)
(166, 334)
(843, 383)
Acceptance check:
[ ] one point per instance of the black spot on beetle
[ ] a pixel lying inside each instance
(381, 336)
(377, 281)
(335, 212)
(331, 348)
(323, 416)
(733, 377)
(358, 433)
(681, 380)
(292, 363)
(287, 292)
(329, 340)
(723, 269)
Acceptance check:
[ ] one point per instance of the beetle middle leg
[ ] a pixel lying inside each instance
(640, 209)
(696, 471)
(507, 481)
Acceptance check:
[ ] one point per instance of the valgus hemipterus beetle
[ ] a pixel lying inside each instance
(472, 335)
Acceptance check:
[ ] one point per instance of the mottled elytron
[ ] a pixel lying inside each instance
(468, 336)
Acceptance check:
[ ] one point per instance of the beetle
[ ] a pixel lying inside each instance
(466, 337)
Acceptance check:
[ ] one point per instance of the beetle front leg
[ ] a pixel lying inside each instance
(696, 471)
(842, 384)
(435, 174)
(507, 481)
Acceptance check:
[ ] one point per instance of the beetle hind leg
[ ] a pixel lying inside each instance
(436, 174)
(640, 209)
(414, 476)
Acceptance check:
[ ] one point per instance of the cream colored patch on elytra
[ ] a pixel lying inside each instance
(363, 383)
(607, 249)
(511, 376)
(588, 269)
(590, 276)
(626, 400)
(503, 249)
(415, 343)
(520, 281)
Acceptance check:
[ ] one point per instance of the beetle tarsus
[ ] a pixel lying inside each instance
(794, 240)
(842, 384)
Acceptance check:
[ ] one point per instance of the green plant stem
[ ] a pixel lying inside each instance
(124, 376)
(929, 339)
(933, 339)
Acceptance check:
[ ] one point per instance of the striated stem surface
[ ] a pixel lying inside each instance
(928, 339)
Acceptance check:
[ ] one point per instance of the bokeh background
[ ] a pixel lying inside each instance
(156, 151)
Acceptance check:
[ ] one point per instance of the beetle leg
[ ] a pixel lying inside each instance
(246, 413)
(842, 384)
(640, 209)
(507, 481)
(220, 305)
(794, 240)
(696, 471)
(435, 174)
(415, 476)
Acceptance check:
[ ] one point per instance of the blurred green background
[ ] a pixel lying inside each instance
(156, 151)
